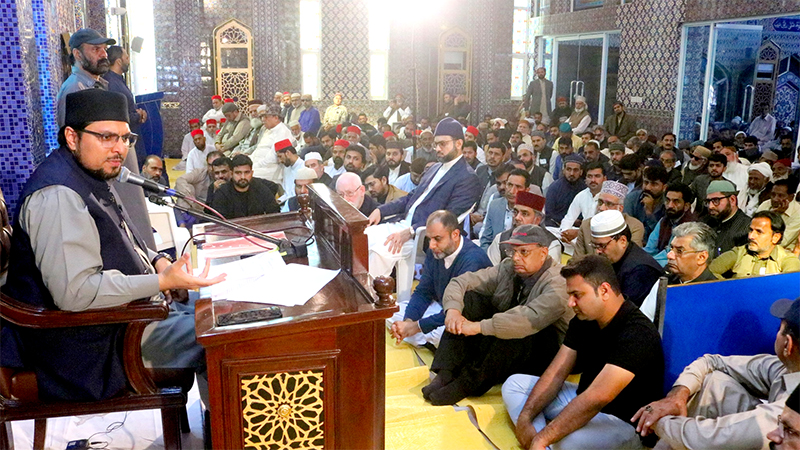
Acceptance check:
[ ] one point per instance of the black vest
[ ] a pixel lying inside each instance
(72, 363)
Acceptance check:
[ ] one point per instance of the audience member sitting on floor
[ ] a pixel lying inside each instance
(376, 179)
(678, 199)
(302, 179)
(636, 270)
(222, 172)
(780, 202)
(763, 254)
(724, 216)
(499, 216)
(349, 186)
(200, 185)
(449, 184)
(197, 155)
(618, 351)
(287, 156)
(501, 320)
(647, 204)
(527, 210)
(153, 169)
(449, 255)
(561, 193)
(729, 401)
(690, 253)
(787, 435)
(611, 196)
(583, 206)
(313, 160)
(245, 195)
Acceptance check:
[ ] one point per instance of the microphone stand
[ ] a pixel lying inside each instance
(292, 249)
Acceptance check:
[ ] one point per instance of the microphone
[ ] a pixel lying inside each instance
(126, 176)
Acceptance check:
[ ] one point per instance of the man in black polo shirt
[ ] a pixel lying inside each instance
(636, 270)
(618, 351)
(245, 195)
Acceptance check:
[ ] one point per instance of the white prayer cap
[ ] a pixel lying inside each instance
(607, 223)
(313, 155)
(503, 121)
(261, 109)
(304, 173)
(524, 146)
(278, 93)
(295, 95)
(614, 188)
(762, 168)
(580, 98)
(293, 123)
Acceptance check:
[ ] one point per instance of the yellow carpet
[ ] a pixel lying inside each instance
(413, 423)
(169, 164)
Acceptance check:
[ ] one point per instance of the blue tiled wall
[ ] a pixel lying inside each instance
(16, 43)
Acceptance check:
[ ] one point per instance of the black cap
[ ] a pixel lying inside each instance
(88, 36)
(94, 105)
(529, 234)
(788, 310)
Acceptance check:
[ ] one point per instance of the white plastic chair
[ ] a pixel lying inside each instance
(162, 218)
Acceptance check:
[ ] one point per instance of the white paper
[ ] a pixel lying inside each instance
(267, 279)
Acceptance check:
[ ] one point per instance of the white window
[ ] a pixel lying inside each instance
(520, 47)
(310, 42)
(379, 13)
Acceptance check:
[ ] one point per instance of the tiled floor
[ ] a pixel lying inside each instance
(142, 430)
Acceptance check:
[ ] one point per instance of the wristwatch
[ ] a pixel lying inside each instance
(412, 231)
(161, 255)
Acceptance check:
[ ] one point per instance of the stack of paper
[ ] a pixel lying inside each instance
(266, 278)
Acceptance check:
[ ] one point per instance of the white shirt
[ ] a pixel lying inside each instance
(398, 116)
(404, 183)
(289, 174)
(197, 158)
(265, 160)
(448, 260)
(445, 167)
(763, 129)
(737, 173)
(584, 204)
(332, 171)
(393, 175)
(215, 114)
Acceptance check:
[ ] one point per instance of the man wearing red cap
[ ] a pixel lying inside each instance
(353, 134)
(197, 156)
(471, 134)
(216, 111)
(212, 127)
(335, 114)
(287, 155)
(526, 211)
(335, 164)
(561, 113)
(188, 143)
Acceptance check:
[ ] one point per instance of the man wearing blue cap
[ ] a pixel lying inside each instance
(450, 184)
(729, 401)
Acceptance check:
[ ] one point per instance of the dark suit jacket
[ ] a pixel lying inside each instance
(456, 192)
(535, 92)
(626, 128)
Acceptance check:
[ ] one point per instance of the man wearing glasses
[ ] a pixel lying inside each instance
(501, 320)
(690, 252)
(725, 217)
(637, 271)
(73, 249)
(787, 435)
(449, 184)
(697, 164)
(611, 196)
(716, 167)
(722, 402)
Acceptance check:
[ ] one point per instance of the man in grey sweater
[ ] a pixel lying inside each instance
(501, 320)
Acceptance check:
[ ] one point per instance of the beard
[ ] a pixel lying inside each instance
(580, 110)
(392, 164)
(243, 183)
(98, 68)
(674, 214)
(256, 123)
(338, 161)
(99, 174)
(351, 168)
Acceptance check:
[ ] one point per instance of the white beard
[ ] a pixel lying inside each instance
(580, 110)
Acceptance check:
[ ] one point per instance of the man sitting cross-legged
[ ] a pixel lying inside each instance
(500, 320)
(618, 351)
(725, 402)
(449, 255)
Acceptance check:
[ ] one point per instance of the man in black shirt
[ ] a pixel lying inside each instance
(617, 349)
(245, 195)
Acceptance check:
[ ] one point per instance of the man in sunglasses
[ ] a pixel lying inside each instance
(724, 216)
(74, 249)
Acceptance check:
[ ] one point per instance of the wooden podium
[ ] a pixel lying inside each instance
(316, 377)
